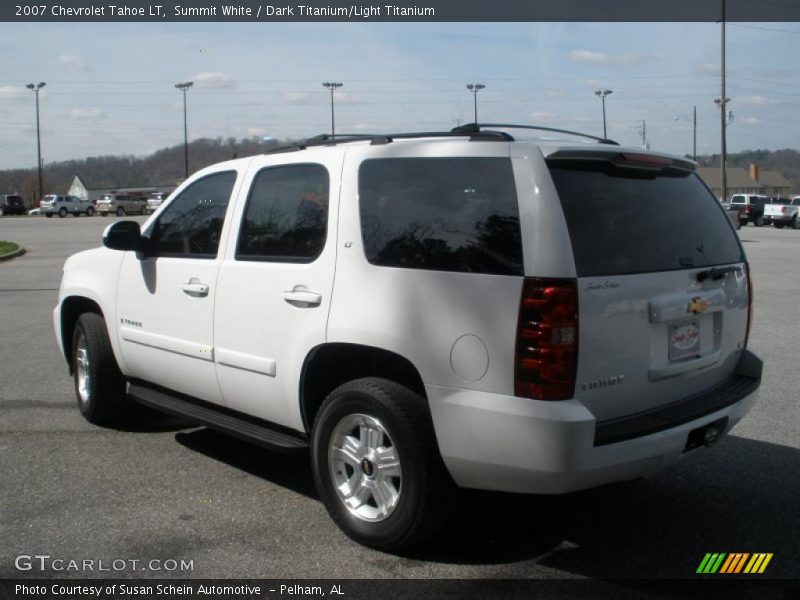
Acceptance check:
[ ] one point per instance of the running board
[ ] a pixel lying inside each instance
(222, 419)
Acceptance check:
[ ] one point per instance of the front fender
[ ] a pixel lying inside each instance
(93, 276)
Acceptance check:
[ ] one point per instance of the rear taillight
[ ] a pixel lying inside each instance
(749, 302)
(547, 339)
(747, 209)
(784, 210)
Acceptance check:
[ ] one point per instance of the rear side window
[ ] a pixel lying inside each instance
(286, 216)
(441, 214)
(623, 221)
(738, 200)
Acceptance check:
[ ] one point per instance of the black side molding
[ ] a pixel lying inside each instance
(745, 381)
(224, 420)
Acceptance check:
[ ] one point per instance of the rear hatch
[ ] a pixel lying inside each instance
(662, 283)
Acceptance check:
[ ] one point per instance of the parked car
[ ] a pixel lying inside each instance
(11, 204)
(154, 201)
(734, 211)
(53, 204)
(782, 211)
(752, 206)
(120, 204)
(425, 311)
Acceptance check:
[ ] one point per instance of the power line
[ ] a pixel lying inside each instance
(764, 28)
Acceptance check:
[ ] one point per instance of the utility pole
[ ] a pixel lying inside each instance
(332, 85)
(183, 87)
(35, 89)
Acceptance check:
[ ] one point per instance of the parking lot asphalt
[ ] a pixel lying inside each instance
(172, 491)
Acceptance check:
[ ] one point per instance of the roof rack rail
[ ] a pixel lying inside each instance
(385, 138)
(326, 139)
(477, 128)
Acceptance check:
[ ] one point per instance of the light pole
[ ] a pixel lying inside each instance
(602, 95)
(332, 85)
(721, 102)
(694, 131)
(475, 88)
(35, 89)
(183, 87)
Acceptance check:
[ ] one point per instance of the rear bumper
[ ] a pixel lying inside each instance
(781, 219)
(496, 442)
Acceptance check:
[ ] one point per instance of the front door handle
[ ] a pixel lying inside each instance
(193, 287)
(302, 298)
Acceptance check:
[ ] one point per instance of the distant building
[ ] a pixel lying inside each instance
(746, 181)
(80, 188)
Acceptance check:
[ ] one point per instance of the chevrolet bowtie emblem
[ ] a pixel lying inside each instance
(697, 305)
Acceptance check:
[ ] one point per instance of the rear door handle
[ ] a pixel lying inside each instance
(302, 298)
(195, 288)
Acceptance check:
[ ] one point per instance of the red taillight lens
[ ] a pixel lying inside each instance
(547, 339)
(747, 209)
(749, 302)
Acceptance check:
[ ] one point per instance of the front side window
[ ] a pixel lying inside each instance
(286, 215)
(441, 214)
(191, 225)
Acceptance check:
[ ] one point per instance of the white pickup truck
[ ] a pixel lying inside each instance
(782, 212)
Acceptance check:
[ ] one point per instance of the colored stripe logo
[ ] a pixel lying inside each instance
(734, 562)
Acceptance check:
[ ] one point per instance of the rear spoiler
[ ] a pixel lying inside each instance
(626, 159)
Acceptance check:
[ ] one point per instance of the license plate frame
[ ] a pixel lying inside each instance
(681, 349)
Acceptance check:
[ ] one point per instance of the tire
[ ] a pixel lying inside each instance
(99, 384)
(759, 221)
(90, 212)
(48, 215)
(795, 223)
(416, 487)
(120, 211)
(62, 212)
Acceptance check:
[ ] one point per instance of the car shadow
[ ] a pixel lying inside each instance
(742, 496)
(292, 471)
(142, 419)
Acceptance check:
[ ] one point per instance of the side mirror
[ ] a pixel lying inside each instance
(123, 235)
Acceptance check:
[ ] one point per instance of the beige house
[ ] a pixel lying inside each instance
(746, 181)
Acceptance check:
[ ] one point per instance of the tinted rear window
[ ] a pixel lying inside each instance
(623, 221)
(442, 214)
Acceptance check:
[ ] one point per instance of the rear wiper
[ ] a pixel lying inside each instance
(716, 273)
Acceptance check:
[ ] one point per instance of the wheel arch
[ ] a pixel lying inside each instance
(72, 307)
(327, 366)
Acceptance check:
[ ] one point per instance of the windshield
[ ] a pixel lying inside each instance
(624, 221)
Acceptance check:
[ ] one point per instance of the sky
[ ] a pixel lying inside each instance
(110, 86)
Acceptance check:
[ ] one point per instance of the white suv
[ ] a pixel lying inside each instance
(427, 311)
